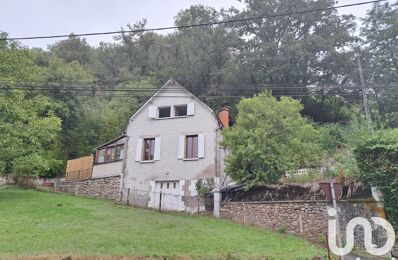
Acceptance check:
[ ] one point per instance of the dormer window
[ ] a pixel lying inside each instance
(164, 112)
(180, 110)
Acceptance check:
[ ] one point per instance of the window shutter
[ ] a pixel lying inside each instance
(152, 111)
(156, 155)
(191, 109)
(201, 146)
(181, 147)
(138, 150)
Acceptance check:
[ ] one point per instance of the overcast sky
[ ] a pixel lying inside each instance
(45, 17)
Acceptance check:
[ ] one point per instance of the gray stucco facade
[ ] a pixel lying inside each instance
(169, 178)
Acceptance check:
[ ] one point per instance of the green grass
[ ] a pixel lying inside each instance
(44, 223)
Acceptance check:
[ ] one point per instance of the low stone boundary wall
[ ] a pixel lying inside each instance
(105, 187)
(308, 219)
(30, 182)
(4, 180)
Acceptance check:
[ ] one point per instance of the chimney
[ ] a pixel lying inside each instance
(223, 116)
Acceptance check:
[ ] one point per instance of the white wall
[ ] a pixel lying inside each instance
(107, 169)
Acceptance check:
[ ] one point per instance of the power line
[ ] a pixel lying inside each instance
(132, 91)
(84, 86)
(219, 92)
(100, 94)
(100, 84)
(192, 25)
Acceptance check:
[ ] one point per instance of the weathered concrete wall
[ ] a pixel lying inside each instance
(105, 188)
(305, 218)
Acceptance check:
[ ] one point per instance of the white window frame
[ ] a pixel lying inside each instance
(153, 111)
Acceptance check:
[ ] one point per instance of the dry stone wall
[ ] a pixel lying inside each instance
(308, 219)
(104, 188)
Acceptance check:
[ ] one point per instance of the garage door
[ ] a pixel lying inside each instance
(167, 195)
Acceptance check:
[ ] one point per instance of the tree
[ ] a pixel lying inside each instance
(269, 137)
(136, 48)
(73, 49)
(62, 79)
(379, 31)
(294, 50)
(29, 129)
(200, 58)
(327, 109)
(29, 133)
(205, 51)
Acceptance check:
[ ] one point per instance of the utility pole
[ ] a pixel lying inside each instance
(364, 95)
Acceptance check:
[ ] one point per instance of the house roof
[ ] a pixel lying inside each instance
(111, 141)
(172, 83)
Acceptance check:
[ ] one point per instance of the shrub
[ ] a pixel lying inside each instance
(270, 137)
(339, 142)
(378, 163)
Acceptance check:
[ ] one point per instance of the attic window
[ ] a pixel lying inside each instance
(164, 112)
(180, 110)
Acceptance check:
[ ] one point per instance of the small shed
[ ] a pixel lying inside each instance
(79, 169)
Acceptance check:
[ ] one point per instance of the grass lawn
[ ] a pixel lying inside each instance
(44, 223)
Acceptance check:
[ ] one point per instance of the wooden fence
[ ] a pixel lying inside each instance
(79, 169)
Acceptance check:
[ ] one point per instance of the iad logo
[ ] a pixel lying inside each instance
(358, 221)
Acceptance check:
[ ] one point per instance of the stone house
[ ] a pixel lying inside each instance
(170, 143)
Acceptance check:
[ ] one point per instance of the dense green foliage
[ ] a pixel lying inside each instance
(380, 35)
(29, 135)
(270, 137)
(378, 161)
(338, 143)
(29, 127)
(310, 54)
(34, 223)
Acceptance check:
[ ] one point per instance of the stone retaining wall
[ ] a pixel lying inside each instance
(308, 219)
(6, 179)
(105, 187)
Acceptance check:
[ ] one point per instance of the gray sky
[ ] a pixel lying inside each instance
(46, 17)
